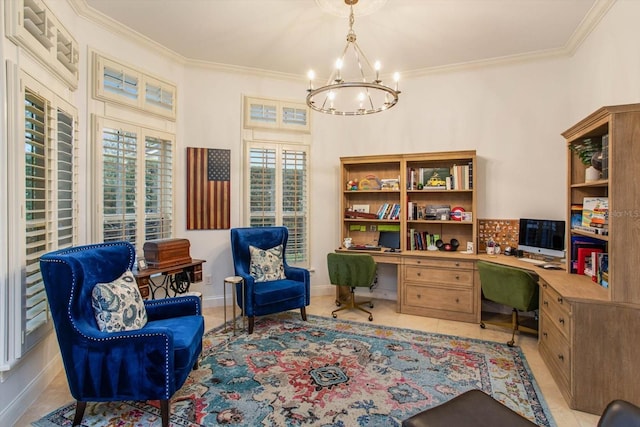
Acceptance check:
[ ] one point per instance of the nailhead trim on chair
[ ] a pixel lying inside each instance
(73, 288)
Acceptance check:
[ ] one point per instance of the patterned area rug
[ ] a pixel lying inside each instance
(328, 372)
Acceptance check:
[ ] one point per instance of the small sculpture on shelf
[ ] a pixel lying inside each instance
(352, 185)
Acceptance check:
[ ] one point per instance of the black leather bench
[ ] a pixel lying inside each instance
(472, 408)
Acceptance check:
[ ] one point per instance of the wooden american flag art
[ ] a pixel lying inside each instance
(208, 189)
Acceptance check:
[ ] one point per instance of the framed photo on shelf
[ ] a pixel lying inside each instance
(142, 264)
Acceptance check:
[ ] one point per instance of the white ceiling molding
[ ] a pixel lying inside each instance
(586, 26)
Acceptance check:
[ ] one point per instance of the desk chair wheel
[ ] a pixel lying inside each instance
(511, 343)
(482, 325)
(338, 303)
(371, 317)
(335, 316)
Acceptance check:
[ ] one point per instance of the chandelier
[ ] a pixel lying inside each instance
(356, 96)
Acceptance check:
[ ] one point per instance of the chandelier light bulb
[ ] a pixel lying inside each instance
(312, 75)
(376, 66)
(396, 78)
(338, 69)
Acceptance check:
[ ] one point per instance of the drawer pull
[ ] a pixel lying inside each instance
(419, 296)
(457, 264)
(544, 285)
(544, 334)
(457, 277)
(561, 357)
(561, 320)
(545, 302)
(457, 300)
(560, 300)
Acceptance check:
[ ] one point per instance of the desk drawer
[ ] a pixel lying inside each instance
(438, 275)
(555, 349)
(440, 263)
(556, 310)
(438, 298)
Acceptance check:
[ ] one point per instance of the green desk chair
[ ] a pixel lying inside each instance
(514, 287)
(353, 270)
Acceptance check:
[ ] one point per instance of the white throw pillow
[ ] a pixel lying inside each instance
(266, 264)
(118, 306)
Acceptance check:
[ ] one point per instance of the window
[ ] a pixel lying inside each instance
(122, 84)
(45, 149)
(136, 164)
(277, 175)
(268, 113)
(32, 25)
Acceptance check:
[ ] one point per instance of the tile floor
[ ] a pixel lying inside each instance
(384, 311)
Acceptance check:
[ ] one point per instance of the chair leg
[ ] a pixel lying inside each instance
(80, 407)
(164, 412)
(514, 323)
(252, 321)
(303, 313)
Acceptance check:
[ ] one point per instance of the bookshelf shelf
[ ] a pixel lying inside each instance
(599, 183)
(587, 234)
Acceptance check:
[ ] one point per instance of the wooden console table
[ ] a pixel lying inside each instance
(176, 279)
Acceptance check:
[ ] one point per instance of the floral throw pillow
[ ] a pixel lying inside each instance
(118, 306)
(266, 264)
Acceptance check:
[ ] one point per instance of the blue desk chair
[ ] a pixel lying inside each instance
(514, 287)
(150, 363)
(269, 288)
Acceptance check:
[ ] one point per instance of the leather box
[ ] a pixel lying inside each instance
(167, 252)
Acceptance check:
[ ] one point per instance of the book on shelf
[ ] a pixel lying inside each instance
(603, 270)
(462, 178)
(582, 242)
(585, 260)
(595, 212)
(576, 216)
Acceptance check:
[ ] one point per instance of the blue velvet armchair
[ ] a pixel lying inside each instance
(262, 298)
(144, 364)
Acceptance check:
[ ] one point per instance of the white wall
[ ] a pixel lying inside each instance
(511, 114)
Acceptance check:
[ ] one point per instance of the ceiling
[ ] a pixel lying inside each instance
(411, 36)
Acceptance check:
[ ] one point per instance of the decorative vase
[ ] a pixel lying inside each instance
(591, 174)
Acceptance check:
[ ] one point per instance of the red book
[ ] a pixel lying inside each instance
(584, 258)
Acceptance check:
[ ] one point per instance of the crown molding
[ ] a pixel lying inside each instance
(582, 31)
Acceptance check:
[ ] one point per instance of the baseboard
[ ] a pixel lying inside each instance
(26, 397)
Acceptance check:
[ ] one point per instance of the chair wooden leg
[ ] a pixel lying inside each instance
(164, 412)
(252, 320)
(303, 313)
(80, 407)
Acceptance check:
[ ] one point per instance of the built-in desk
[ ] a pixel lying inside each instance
(589, 343)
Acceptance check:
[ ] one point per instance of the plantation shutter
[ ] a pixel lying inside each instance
(66, 188)
(119, 161)
(36, 175)
(278, 193)
(295, 117)
(158, 188)
(294, 202)
(121, 83)
(262, 194)
(159, 97)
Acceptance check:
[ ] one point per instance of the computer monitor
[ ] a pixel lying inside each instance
(542, 236)
(389, 239)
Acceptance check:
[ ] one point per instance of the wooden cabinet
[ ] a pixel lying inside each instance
(442, 288)
(555, 336)
(589, 334)
(430, 282)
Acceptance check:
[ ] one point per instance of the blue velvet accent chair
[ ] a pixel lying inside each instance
(262, 298)
(145, 364)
